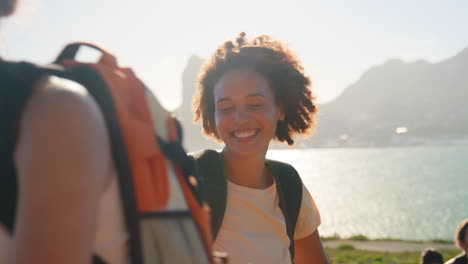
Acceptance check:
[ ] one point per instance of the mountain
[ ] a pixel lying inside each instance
(396, 103)
(193, 138)
(427, 103)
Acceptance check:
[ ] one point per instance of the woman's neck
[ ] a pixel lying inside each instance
(247, 171)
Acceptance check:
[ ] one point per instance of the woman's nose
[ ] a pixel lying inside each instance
(240, 115)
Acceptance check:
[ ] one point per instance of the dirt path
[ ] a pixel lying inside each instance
(389, 246)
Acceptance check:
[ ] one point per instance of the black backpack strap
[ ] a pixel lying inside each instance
(210, 168)
(16, 82)
(289, 189)
(176, 153)
(98, 260)
(288, 186)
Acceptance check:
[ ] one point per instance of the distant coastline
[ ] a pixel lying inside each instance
(394, 104)
(382, 252)
(360, 249)
(362, 238)
(407, 142)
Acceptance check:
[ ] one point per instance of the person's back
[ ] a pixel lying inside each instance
(461, 240)
(66, 182)
(56, 151)
(70, 196)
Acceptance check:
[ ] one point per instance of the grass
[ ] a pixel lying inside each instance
(347, 254)
(441, 241)
(360, 237)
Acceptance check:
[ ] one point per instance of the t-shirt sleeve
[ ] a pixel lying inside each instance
(309, 217)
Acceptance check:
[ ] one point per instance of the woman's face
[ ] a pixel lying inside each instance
(245, 112)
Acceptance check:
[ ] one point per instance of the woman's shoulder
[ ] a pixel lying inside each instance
(309, 216)
(459, 259)
(58, 103)
(61, 115)
(62, 94)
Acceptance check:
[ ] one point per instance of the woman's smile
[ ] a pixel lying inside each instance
(245, 134)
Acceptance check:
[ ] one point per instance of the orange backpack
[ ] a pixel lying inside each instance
(165, 214)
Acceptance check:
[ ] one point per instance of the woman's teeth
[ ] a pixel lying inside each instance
(244, 134)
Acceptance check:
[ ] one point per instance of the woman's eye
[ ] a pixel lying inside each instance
(255, 106)
(225, 109)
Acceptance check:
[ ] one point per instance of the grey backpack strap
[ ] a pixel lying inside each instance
(289, 189)
(209, 166)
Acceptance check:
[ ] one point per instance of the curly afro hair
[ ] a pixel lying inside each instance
(278, 65)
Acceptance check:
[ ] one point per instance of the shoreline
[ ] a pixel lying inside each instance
(389, 245)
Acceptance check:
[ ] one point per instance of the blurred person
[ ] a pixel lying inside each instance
(431, 256)
(461, 240)
(55, 155)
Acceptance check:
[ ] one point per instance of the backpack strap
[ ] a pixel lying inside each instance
(16, 82)
(174, 150)
(97, 87)
(289, 189)
(288, 186)
(210, 168)
(142, 157)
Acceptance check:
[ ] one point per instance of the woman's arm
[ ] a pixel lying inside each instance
(310, 250)
(62, 159)
(307, 245)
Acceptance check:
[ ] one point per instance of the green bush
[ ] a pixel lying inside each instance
(441, 241)
(345, 247)
(359, 237)
(331, 238)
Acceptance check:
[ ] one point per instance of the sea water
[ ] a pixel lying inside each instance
(417, 193)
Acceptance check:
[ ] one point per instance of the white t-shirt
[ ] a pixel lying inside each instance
(254, 230)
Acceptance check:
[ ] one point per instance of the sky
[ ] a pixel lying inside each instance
(337, 41)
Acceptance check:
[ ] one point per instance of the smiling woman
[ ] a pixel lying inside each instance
(250, 93)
